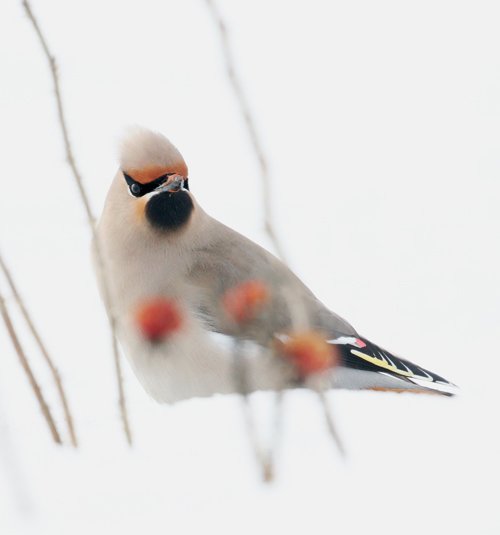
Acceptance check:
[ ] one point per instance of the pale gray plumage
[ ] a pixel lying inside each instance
(194, 264)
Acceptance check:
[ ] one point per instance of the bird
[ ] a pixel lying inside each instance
(158, 242)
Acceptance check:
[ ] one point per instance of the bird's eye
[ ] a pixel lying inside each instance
(135, 189)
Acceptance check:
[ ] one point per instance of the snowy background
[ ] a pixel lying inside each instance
(391, 111)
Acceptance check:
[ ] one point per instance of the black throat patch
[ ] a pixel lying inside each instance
(169, 211)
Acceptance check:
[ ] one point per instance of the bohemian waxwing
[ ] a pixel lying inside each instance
(157, 242)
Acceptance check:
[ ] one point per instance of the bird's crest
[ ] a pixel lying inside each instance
(145, 155)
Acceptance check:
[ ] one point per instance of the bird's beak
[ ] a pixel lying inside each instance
(174, 183)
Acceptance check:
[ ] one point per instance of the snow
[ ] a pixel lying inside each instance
(391, 111)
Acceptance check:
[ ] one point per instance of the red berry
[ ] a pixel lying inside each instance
(309, 352)
(245, 301)
(158, 318)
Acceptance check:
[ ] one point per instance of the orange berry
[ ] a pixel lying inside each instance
(245, 301)
(309, 352)
(158, 318)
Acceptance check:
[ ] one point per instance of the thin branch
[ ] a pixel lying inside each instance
(330, 422)
(264, 458)
(36, 335)
(29, 372)
(277, 429)
(297, 310)
(90, 216)
(251, 129)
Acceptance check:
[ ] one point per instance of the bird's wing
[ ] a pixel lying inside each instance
(399, 374)
(228, 259)
(231, 259)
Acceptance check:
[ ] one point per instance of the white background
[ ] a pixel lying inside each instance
(381, 124)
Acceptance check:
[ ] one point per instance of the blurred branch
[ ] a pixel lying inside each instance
(297, 311)
(36, 335)
(250, 125)
(90, 216)
(28, 371)
(234, 80)
(330, 422)
(263, 456)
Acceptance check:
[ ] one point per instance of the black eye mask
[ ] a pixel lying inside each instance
(138, 190)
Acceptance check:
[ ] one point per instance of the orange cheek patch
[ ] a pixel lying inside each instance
(147, 174)
(140, 207)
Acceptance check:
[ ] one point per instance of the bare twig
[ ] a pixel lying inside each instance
(297, 310)
(250, 124)
(265, 459)
(36, 335)
(234, 80)
(28, 371)
(90, 216)
(300, 321)
(329, 421)
(277, 429)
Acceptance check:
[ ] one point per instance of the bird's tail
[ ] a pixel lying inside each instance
(366, 365)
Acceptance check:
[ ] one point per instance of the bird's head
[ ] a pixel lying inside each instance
(156, 176)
